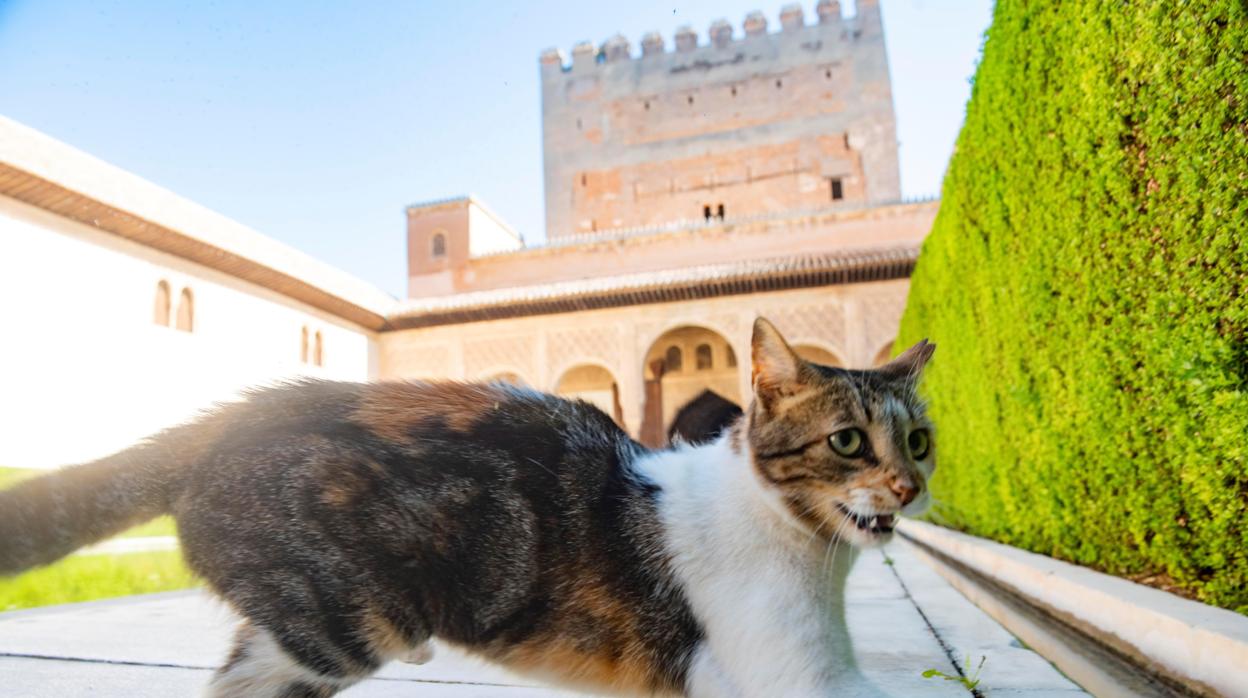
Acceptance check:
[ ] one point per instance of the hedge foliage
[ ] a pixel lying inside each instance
(1086, 282)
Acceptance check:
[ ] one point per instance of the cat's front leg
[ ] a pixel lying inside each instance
(707, 679)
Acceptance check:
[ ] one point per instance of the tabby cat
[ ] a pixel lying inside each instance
(349, 524)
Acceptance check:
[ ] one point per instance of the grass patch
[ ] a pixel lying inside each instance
(12, 476)
(91, 577)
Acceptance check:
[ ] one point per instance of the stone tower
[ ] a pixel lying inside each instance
(744, 123)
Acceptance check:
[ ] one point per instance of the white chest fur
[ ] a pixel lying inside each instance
(767, 591)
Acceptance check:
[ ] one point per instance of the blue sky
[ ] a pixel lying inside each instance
(316, 123)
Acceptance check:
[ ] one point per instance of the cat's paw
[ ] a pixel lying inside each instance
(420, 654)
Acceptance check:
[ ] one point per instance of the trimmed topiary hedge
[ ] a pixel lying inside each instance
(1086, 282)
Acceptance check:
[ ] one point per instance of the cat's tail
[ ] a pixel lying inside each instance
(48, 517)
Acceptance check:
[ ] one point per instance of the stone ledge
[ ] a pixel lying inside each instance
(1202, 647)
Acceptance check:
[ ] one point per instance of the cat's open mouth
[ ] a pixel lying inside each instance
(877, 523)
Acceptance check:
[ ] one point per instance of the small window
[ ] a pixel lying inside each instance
(704, 358)
(779, 84)
(828, 73)
(719, 212)
(647, 104)
(706, 213)
(731, 356)
(160, 310)
(673, 360)
(734, 90)
(186, 311)
(690, 99)
(318, 350)
(439, 245)
(584, 180)
(838, 189)
(303, 345)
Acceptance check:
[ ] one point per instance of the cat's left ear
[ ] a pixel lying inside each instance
(775, 368)
(910, 363)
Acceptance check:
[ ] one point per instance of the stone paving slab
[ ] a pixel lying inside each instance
(903, 617)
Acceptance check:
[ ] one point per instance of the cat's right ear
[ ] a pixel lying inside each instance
(775, 367)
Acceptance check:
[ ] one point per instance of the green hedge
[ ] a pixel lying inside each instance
(1086, 282)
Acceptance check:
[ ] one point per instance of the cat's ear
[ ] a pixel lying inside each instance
(910, 363)
(775, 368)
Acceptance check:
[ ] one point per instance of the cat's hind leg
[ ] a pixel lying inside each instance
(259, 668)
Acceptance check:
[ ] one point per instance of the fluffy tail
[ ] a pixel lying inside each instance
(44, 519)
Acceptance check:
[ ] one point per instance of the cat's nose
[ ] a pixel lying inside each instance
(904, 488)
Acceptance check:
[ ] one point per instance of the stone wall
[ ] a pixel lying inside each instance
(749, 122)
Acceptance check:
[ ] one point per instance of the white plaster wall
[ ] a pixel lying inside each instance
(83, 369)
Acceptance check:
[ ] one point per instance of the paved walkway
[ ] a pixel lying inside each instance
(904, 619)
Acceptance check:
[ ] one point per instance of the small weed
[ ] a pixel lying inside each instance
(968, 683)
(888, 560)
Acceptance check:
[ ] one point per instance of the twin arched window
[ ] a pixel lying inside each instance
(314, 351)
(185, 319)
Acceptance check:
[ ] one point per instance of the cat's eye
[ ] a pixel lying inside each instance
(848, 442)
(920, 442)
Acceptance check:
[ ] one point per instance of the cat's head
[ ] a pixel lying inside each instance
(846, 451)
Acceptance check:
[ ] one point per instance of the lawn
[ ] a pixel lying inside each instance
(89, 577)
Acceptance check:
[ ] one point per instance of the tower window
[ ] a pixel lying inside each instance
(703, 356)
(706, 213)
(186, 311)
(719, 212)
(838, 189)
(438, 245)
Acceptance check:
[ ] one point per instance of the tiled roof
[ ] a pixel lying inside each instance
(688, 283)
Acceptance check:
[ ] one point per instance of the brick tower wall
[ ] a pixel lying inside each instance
(752, 121)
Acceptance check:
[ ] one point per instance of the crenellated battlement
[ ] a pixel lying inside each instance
(721, 35)
(774, 113)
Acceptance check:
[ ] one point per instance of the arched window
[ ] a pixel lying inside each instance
(186, 311)
(732, 356)
(673, 359)
(160, 309)
(703, 356)
(303, 345)
(318, 350)
(439, 245)
(719, 212)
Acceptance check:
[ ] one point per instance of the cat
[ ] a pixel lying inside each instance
(349, 524)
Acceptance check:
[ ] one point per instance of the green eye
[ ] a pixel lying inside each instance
(848, 442)
(919, 442)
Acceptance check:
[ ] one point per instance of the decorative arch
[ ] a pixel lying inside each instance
(820, 353)
(507, 374)
(593, 383)
(186, 311)
(666, 391)
(162, 305)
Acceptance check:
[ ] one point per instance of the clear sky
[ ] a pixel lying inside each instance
(317, 122)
